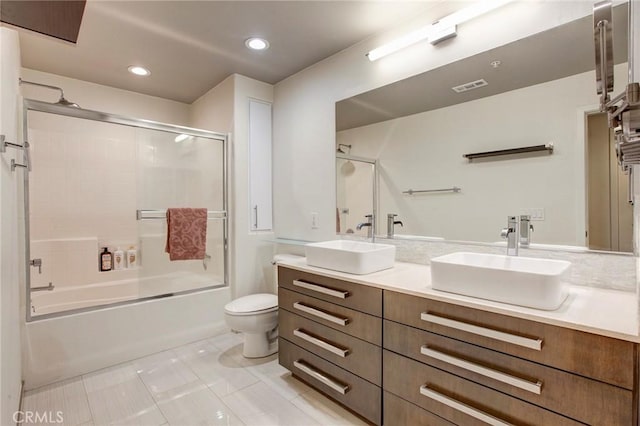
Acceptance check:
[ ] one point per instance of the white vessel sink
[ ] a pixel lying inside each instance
(523, 281)
(353, 257)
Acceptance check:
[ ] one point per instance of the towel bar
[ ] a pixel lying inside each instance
(162, 214)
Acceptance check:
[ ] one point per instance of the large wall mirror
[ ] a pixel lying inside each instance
(537, 91)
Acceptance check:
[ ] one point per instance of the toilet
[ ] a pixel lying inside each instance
(256, 317)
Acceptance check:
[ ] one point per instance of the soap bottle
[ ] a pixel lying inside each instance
(106, 260)
(118, 259)
(132, 257)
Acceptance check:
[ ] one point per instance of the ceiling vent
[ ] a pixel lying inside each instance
(470, 86)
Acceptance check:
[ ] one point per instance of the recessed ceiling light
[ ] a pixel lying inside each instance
(256, 43)
(138, 70)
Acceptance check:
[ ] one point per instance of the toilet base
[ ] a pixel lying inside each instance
(259, 345)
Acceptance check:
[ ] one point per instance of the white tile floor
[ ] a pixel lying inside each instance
(202, 383)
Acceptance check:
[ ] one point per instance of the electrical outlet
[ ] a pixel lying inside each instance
(315, 221)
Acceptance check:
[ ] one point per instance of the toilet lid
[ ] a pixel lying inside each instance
(252, 303)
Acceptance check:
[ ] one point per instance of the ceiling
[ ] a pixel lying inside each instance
(190, 46)
(550, 55)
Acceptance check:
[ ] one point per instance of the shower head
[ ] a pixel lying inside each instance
(62, 101)
(342, 148)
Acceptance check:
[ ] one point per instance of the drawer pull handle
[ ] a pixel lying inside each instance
(487, 372)
(464, 408)
(320, 343)
(526, 342)
(321, 377)
(320, 314)
(321, 289)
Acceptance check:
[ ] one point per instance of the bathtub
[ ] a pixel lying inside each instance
(60, 347)
(71, 298)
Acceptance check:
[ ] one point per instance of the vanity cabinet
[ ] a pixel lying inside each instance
(469, 366)
(399, 359)
(331, 338)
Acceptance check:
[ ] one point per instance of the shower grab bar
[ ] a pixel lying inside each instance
(420, 191)
(14, 165)
(4, 144)
(162, 214)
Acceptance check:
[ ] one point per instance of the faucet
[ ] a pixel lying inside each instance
(391, 222)
(370, 225)
(525, 230)
(512, 235)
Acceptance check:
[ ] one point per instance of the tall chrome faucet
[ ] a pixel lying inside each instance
(512, 235)
(391, 224)
(525, 230)
(369, 224)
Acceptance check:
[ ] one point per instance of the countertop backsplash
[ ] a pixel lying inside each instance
(589, 268)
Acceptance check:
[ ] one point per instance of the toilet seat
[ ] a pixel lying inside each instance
(252, 304)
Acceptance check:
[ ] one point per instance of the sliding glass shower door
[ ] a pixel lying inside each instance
(95, 204)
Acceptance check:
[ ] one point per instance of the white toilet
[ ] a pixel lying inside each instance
(256, 316)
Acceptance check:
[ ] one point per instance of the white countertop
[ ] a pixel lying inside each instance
(609, 313)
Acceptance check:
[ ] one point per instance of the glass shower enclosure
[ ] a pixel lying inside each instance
(100, 184)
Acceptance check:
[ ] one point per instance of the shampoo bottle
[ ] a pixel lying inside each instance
(106, 260)
(118, 259)
(132, 257)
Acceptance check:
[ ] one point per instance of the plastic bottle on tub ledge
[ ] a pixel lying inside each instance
(118, 259)
(132, 257)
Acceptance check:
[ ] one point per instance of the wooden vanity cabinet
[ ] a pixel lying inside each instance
(399, 359)
(467, 365)
(331, 338)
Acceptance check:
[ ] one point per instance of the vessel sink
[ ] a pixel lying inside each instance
(353, 257)
(524, 281)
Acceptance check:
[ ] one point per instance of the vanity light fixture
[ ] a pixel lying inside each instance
(441, 30)
(138, 70)
(257, 43)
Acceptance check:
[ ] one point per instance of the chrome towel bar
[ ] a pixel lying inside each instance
(423, 191)
(162, 214)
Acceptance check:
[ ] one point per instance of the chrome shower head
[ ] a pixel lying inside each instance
(62, 101)
(342, 148)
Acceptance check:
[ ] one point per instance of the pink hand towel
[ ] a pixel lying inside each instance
(186, 233)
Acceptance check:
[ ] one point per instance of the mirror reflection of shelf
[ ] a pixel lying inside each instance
(523, 150)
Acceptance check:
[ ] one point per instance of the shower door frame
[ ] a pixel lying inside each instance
(375, 164)
(68, 111)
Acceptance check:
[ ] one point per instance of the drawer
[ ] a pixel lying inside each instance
(597, 357)
(351, 295)
(355, 323)
(398, 412)
(357, 356)
(574, 396)
(459, 400)
(350, 390)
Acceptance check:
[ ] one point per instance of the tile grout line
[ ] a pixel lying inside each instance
(86, 396)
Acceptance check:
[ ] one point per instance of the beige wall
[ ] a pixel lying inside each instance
(226, 108)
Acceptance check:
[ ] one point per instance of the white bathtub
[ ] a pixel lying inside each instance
(61, 347)
(77, 297)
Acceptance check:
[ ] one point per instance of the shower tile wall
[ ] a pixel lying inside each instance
(81, 191)
(87, 181)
